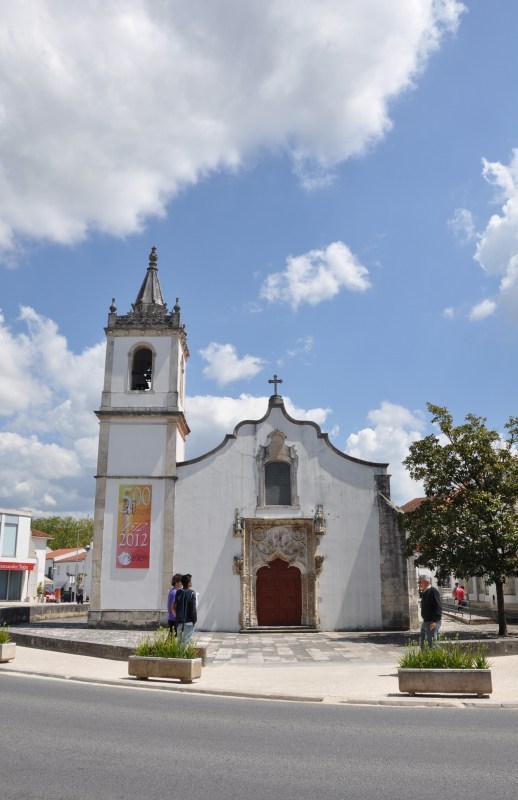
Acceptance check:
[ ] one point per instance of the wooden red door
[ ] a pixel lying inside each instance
(278, 594)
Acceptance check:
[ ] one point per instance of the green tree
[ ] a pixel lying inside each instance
(65, 530)
(468, 522)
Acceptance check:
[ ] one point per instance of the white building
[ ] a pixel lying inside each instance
(277, 526)
(68, 567)
(22, 556)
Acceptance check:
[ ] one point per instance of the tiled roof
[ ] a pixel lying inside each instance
(412, 504)
(40, 534)
(65, 551)
(80, 557)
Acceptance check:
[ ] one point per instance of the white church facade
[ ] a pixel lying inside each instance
(277, 527)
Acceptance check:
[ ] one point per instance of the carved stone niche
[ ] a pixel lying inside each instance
(319, 520)
(292, 540)
(277, 450)
(237, 528)
(319, 563)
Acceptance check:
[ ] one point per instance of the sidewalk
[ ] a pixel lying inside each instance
(326, 668)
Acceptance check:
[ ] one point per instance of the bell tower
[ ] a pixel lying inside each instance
(141, 439)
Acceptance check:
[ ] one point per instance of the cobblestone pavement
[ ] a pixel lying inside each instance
(270, 648)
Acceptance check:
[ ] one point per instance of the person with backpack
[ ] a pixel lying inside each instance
(176, 583)
(184, 608)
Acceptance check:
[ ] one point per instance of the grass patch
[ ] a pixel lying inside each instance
(161, 645)
(447, 654)
(5, 636)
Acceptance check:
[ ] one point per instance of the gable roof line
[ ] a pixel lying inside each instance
(276, 401)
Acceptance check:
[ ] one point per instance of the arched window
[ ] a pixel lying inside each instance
(277, 472)
(142, 369)
(277, 484)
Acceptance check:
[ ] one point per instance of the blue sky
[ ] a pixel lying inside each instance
(332, 189)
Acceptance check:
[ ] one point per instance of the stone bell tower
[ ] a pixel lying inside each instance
(141, 439)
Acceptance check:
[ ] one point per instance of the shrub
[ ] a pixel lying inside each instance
(446, 655)
(5, 636)
(161, 644)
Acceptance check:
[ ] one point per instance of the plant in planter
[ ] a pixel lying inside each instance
(40, 591)
(450, 667)
(7, 648)
(161, 655)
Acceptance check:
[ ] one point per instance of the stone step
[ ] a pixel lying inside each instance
(281, 629)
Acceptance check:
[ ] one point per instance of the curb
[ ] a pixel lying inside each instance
(76, 647)
(428, 702)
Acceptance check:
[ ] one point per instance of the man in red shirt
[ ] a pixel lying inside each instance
(459, 594)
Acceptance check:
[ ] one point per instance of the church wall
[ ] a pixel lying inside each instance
(209, 490)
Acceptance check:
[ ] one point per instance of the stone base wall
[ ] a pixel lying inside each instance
(25, 613)
(130, 619)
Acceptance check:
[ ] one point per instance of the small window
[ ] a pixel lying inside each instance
(142, 370)
(10, 539)
(277, 483)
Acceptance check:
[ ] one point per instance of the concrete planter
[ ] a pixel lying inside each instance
(445, 681)
(183, 669)
(7, 652)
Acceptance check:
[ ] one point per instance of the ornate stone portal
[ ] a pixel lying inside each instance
(292, 540)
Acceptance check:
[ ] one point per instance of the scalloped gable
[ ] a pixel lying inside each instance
(276, 401)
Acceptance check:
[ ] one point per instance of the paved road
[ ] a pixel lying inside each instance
(76, 742)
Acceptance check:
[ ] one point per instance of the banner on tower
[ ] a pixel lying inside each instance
(134, 527)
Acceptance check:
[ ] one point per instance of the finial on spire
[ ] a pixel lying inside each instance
(153, 258)
(113, 307)
(177, 305)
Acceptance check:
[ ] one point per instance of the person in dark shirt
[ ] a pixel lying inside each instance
(184, 608)
(176, 583)
(431, 612)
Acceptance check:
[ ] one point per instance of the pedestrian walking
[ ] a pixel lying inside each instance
(431, 612)
(185, 609)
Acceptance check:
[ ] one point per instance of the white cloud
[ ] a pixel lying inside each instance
(211, 418)
(303, 346)
(497, 249)
(393, 429)
(482, 310)
(47, 396)
(108, 109)
(463, 226)
(316, 276)
(225, 366)
(448, 313)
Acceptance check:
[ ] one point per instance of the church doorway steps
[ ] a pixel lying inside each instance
(281, 629)
(278, 595)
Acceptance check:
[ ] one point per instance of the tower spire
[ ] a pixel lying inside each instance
(150, 293)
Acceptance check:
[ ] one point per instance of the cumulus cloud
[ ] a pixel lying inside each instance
(47, 396)
(225, 366)
(316, 276)
(107, 109)
(393, 429)
(482, 310)
(497, 249)
(211, 418)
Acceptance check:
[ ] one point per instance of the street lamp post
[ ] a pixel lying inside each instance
(75, 574)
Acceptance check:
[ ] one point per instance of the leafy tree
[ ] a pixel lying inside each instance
(65, 530)
(468, 522)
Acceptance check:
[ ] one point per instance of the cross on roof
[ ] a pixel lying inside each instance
(275, 380)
